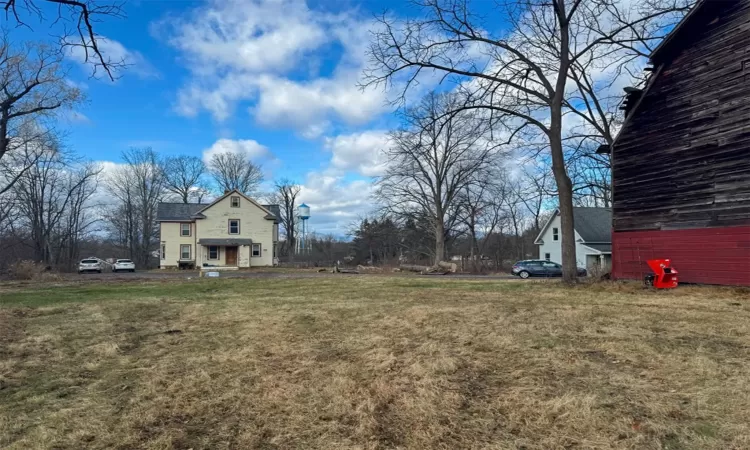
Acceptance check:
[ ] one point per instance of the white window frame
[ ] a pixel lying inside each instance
(555, 234)
(182, 253)
(252, 251)
(232, 199)
(218, 252)
(229, 226)
(547, 257)
(189, 229)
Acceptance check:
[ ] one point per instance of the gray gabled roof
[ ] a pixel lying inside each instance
(593, 224)
(166, 212)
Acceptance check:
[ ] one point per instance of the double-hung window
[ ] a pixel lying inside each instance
(234, 226)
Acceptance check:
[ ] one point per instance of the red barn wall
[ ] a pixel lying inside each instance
(700, 255)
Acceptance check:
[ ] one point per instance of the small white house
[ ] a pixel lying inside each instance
(593, 233)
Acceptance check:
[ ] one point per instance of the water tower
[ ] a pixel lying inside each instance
(303, 212)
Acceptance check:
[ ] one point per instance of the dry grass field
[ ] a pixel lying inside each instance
(372, 362)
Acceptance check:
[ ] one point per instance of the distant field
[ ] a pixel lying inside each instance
(358, 362)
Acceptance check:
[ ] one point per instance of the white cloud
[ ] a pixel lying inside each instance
(335, 203)
(253, 36)
(113, 51)
(248, 147)
(361, 152)
(269, 53)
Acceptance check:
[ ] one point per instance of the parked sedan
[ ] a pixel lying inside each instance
(124, 265)
(89, 265)
(540, 268)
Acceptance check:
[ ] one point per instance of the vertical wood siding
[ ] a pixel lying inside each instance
(702, 255)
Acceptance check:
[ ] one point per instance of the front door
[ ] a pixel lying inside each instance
(231, 256)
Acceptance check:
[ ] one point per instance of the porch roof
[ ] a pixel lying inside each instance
(225, 242)
(602, 248)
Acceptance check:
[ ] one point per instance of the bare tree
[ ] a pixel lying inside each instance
(591, 173)
(138, 186)
(183, 177)
(286, 196)
(482, 204)
(235, 171)
(8, 212)
(54, 203)
(520, 74)
(535, 186)
(32, 89)
(431, 161)
(77, 19)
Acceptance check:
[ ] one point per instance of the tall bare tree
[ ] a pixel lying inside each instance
(521, 73)
(183, 177)
(432, 160)
(54, 203)
(286, 196)
(235, 171)
(76, 19)
(138, 186)
(32, 90)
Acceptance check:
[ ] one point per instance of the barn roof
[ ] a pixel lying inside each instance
(681, 35)
(673, 43)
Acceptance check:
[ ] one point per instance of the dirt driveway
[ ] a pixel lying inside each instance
(269, 273)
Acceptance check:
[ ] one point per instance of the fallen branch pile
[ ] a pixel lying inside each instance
(442, 268)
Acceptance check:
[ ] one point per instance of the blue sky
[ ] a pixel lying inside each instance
(274, 78)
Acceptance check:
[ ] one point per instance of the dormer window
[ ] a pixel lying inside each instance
(235, 201)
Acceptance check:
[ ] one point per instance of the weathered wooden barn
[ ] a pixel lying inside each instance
(681, 163)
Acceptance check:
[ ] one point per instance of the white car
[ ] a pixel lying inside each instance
(123, 264)
(89, 265)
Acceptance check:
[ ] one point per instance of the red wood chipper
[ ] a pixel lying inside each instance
(664, 276)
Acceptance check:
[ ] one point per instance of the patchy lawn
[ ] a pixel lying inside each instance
(373, 362)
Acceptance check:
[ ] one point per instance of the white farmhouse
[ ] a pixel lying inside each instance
(232, 231)
(593, 234)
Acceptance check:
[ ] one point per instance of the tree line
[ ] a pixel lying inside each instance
(542, 82)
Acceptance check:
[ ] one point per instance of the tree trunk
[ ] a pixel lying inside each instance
(439, 241)
(565, 195)
(564, 184)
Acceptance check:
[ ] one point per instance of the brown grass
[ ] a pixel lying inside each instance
(32, 270)
(374, 362)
